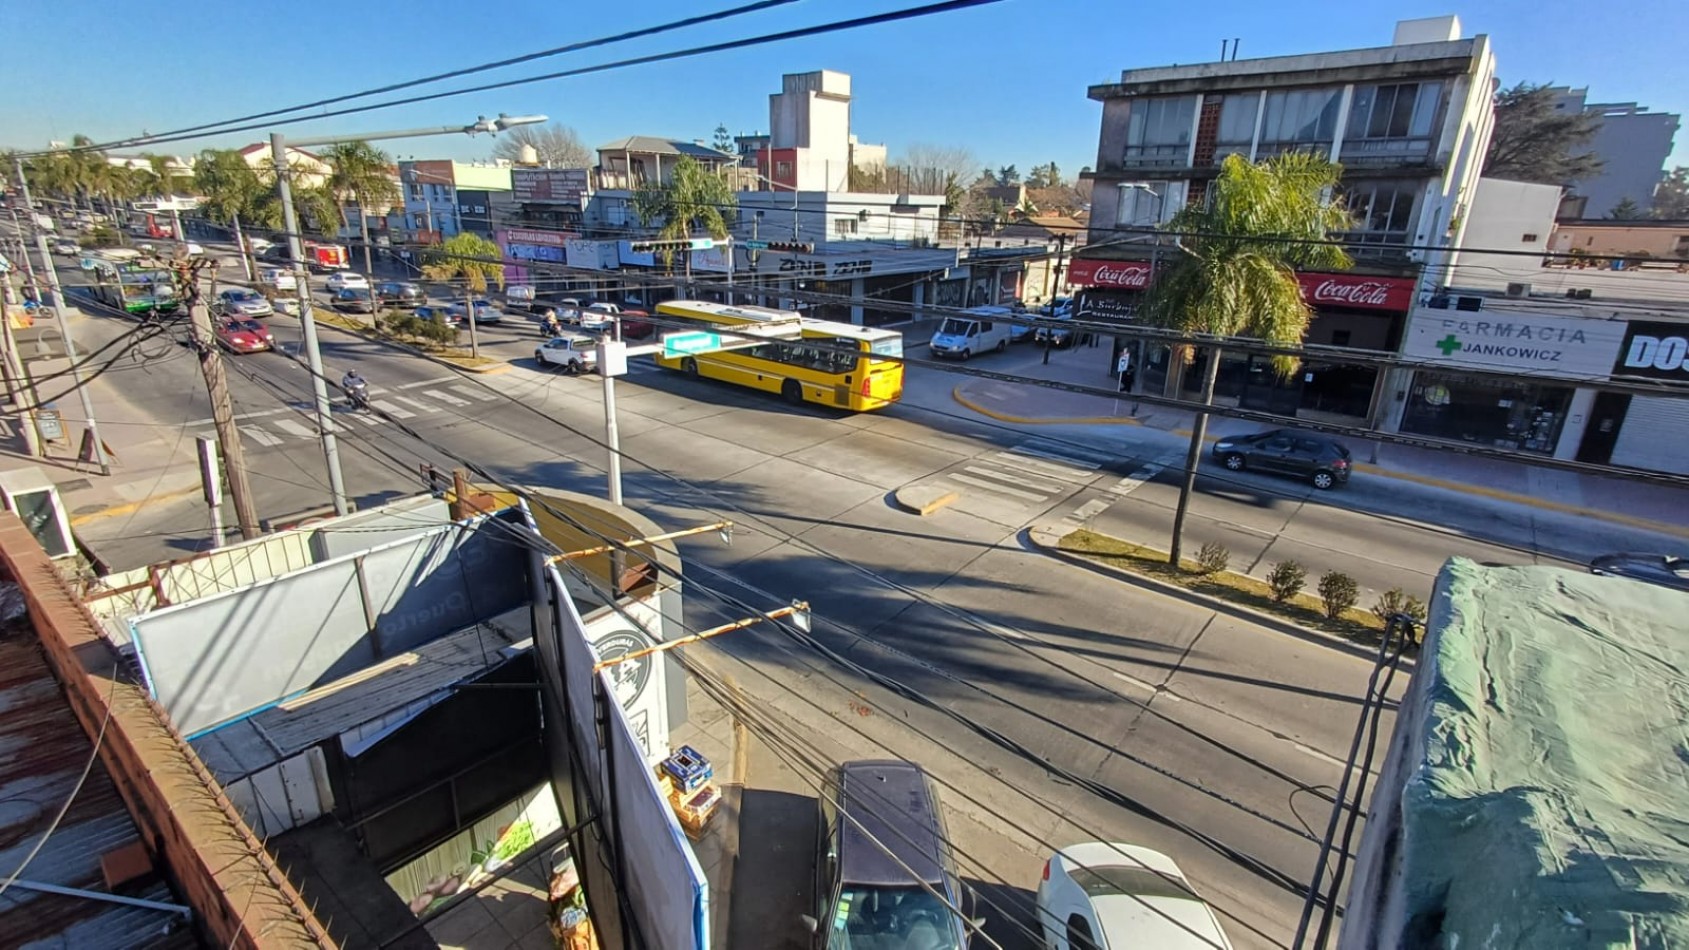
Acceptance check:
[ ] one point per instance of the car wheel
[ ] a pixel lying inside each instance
(1323, 480)
(574, 368)
(792, 391)
(1234, 462)
(690, 365)
(967, 355)
(539, 357)
(1002, 345)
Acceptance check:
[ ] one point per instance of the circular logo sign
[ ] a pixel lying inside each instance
(630, 677)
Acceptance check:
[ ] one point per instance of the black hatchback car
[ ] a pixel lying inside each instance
(398, 293)
(1323, 461)
(884, 873)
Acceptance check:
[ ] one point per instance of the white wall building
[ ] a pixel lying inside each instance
(1512, 216)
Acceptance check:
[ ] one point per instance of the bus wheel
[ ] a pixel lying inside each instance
(690, 365)
(792, 391)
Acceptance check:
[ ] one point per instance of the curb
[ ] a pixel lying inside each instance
(923, 500)
(130, 507)
(371, 337)
(1046, 537)
(1430, 481)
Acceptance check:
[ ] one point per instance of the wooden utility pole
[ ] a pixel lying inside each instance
(217, 386)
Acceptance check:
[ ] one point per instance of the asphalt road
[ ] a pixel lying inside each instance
(1054, 704)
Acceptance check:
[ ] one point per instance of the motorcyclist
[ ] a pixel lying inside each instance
(356, 388)
(552, 326)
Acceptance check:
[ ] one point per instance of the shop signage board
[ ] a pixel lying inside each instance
(1654, 350)
(1360, 291)
(1503, 341)
(1129, 275)
(548, 185)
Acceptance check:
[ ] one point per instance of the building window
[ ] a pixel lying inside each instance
(1147, 203)
(1238, 112)
(1392, 122)
(844, 225)
(416, 191)
(1527, 239)
(1158, 131)
(782, 169)
(1299, 119)
(1383, 213)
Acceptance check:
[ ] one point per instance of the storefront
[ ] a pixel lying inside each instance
(1504, 378)
(1645, 432)
(1354, 311)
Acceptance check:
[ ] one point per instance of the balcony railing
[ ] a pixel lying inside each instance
(1375, 245)
(1156, 156)
(1402, 151)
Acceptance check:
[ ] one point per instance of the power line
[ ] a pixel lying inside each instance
(945, 6)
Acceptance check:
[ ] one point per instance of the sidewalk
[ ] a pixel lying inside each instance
(1632, 503)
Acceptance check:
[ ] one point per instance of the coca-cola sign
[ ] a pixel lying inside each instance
(1357, 290)
(1130, 275)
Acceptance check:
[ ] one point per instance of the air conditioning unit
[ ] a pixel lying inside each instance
(1518, 290)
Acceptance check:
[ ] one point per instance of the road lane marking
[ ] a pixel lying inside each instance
(1146, 472)
(1048, 468)
(427, 382)
(367, 420)
(445, 397)
(1078, 456)
(294, 428)
(396, 412)
(1014, 479)
(474, 393)
(993, 486)
(425, 407)
(1147, 687)
(260, 436)
(1055, 457)
(258, 414)
(1088, 510)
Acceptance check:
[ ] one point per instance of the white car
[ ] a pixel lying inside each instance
(1101, 895)
(281, 278)
(571, 353)
(346, 280)
(67, 249)
(598, 317)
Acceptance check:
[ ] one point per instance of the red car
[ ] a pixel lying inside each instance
(636, 325)
(245, 336)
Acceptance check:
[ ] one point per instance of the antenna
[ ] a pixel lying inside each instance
(1235, 44)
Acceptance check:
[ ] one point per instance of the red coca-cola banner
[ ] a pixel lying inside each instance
(1131, 275)
(1357, 290)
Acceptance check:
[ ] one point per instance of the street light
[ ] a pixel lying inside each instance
(307, 321)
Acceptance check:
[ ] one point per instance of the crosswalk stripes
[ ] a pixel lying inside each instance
(474, 392)
(418, 404)
(397, 412)
(293, 428)
(1034, 471)
(445, 397)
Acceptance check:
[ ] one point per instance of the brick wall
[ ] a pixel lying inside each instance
(240, 898)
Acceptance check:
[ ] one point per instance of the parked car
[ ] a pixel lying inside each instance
(1099, 895)
(485, 311)
(1057, 335)
(343, 279)
(962, 337)
(444, 315)
(401, 294)
(884, 873)
(519, 296)
(244, 336)
(240, 302)
(67, 249)
(1666, 570)
(281, 278)
(573, 353)
(355, 300)
(1322, 460)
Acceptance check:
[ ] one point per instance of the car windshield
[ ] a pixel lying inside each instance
(352, 293)
(250, 326)
(242, 296)
(888, 346)
(891, 918)
(954, 327)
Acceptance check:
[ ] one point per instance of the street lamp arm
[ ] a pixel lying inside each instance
(489, 126)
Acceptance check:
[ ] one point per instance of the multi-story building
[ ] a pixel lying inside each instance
(627, 164)
(1409, 123)
(432, 209)
(809, 146)
(1633, 145)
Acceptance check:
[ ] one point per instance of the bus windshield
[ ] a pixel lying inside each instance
(887, 346)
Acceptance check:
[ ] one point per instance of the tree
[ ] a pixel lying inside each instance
(1044, 176)
(1627, 210)
(1671, 198)
(1535, 142)
(473, 259)
(1008, 174)
(161, 176)
(695, 198)
(230, 190)
(927, 169)
(557, 145)
(1235, 274)
(363, 173)
(723, 138)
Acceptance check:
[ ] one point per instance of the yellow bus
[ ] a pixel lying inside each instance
(840, 365)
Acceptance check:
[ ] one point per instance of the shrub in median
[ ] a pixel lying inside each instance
(1286, 579)
(1212, 558)
(1338, 592)
(1394, 601)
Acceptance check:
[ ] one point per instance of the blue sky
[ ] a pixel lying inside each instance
(1007, 81)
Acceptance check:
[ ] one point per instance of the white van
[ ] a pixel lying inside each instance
(962, 337)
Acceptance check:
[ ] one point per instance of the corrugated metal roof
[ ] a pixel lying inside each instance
(43, 751)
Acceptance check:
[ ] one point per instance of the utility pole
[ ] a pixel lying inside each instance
(245, 252)
(469, 317)
(1051, 290)
(308, 323)
(217, 387)
(17, 379)
(61, 307)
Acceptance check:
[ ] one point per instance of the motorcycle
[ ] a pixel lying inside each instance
(357, 395)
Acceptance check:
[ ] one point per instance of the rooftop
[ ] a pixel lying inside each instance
(651, 144)
(1539, 776)
(43, 752)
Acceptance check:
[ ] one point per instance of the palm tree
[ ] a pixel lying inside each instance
(362, 173)
(1235, 274)
(695, 197)
(230, 190)
(473, 259)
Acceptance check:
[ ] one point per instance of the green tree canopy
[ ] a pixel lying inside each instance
(695, 199)
(1627, 210)
(466, 257)
(1533, 141)
(1235, 273)
(360, 172)
(1671, 198)
(228, 186)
